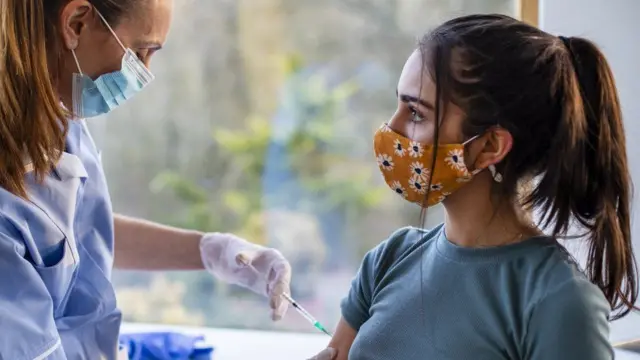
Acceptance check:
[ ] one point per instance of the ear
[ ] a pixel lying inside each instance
(497, 144)
(75, 19)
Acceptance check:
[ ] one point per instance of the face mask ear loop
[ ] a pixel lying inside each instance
(76, 89)
(73, 52)
(497, 177)
(111, 30)
(464, 145)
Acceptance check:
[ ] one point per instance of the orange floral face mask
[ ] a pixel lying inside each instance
(404, 165)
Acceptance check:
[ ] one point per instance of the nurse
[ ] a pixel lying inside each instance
(62, 61)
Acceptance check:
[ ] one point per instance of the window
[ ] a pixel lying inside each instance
(260, 123)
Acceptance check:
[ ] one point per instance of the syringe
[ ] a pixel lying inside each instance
(306, 314)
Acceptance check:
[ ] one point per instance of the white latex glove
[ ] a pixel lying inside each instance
(326, 354)
(257, 268)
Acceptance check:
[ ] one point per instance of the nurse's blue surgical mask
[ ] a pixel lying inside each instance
(108, 91)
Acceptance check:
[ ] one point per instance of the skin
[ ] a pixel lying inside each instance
(465, 225)
(144, 31)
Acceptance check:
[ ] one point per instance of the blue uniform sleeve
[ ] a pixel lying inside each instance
(28, 330)
(570, 323)
(355, 307)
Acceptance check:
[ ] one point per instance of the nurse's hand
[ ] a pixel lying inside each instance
(326, 354)
(257, 268)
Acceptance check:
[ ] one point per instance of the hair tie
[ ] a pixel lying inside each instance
(574, 60)
(566, 41)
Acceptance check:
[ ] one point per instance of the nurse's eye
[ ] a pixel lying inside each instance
(142, 54)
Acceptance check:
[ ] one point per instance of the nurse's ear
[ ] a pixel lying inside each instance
(76, 18)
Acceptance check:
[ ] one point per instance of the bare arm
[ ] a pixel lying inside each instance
(144, 245)
(343, 339)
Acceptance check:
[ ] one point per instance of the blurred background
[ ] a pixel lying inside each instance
(260, 123)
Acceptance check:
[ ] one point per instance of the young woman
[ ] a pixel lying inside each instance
(498, 120)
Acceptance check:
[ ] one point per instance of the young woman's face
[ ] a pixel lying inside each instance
(415, 116)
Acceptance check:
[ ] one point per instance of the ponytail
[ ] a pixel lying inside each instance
(33, 124)
(587, 182)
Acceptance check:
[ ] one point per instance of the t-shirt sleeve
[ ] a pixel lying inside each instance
(355, 307)
(570, 323)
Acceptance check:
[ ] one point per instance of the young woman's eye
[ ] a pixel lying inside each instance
(416, 116)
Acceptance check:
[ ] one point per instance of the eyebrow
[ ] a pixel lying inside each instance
(408, 98)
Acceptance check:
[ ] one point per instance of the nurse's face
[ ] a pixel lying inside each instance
(143, 28)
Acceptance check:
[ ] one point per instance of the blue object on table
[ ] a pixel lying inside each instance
(165, 346)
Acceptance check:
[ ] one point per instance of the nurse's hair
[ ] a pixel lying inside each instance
(33, 124)
(557, 98)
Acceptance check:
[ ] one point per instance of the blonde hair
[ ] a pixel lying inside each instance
(32, 121)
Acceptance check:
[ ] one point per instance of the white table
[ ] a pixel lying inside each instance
(264, 345)
(247, 344)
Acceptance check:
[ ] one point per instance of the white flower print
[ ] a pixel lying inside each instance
(385, 128)
(455, 159)
(463, 179)
(399, 189)
(385, 162)
(415, 149)
(440, 198)
(398, 148)
(417, 184)
(418, 169)
(436, 187)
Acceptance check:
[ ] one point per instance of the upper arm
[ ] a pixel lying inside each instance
(26, 307)
(342, 339)
(570, 323)
(356, 305)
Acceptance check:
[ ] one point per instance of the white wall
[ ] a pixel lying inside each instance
(615, 26)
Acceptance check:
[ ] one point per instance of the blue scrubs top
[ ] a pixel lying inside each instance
(56, 255)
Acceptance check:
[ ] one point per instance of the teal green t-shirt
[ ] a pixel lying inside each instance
(419, 296)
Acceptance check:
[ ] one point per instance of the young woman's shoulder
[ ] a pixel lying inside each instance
(401, 243)
(562, 297)
(570, 320)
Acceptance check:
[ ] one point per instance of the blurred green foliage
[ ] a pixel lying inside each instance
(315, 154)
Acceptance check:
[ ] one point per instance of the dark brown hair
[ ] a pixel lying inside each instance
(557, 98)
(32, 122)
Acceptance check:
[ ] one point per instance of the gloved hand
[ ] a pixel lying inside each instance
(326, 354)
(257, 268)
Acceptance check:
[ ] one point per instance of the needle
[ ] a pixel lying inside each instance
(306, 314)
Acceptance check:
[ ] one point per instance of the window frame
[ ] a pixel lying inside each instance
(529, 11)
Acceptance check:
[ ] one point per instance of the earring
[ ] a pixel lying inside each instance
(497, 177)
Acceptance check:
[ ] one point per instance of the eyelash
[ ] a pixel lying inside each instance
(142, 55)
(415, 115)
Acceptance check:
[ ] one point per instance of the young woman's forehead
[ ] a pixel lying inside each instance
(415, 79)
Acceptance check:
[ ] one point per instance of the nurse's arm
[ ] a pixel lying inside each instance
(342, 340)
(27, 328)
(145, 245)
